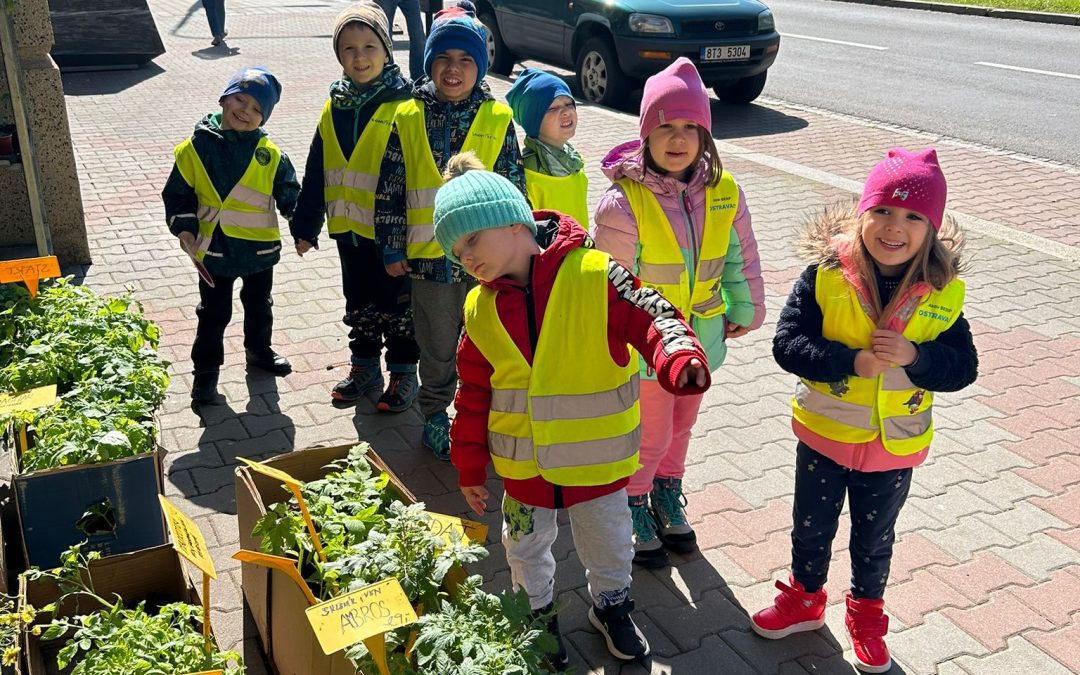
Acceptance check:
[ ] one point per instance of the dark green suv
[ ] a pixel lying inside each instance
(613, 45)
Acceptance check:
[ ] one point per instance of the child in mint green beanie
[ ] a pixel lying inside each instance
(549, 389)
(554, 171)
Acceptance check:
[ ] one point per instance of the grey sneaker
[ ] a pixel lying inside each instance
(669, 503)
(648, 549)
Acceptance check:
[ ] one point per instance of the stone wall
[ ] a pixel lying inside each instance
(43, 94)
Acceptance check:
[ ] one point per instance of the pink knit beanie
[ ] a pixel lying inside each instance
(675, 93)
(909, 180)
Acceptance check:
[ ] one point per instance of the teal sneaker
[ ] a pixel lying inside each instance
(669, 503)
(648, 549)
(437, 435)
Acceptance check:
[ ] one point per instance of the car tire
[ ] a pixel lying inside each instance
(500, 60)
(600, 78)
(741, 92)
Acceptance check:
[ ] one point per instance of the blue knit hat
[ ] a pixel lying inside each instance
(458, 32)
(531, 96)
(477, 200)
(259, 83)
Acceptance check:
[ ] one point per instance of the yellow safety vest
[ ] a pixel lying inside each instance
(422, 178)
(858, 409)
(661, 264)
(248, 210)
(573, 416)
(349, 185)
(565, 194)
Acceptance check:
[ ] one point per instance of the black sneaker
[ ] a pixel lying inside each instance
(624, 640)
(204, 389)
(558, 660)
(270, 361)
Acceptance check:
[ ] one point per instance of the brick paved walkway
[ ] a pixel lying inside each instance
(986, 577)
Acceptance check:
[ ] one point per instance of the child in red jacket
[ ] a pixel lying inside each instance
(549, 388)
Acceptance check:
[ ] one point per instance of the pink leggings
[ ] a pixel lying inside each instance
(666, 422)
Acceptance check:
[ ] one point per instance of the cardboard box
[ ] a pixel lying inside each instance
(52, 504)
(274, 600)
(155, 574)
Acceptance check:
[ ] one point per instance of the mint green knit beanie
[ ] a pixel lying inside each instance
(477, 200)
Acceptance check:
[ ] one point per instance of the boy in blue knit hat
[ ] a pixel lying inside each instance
(554, 171)
(219, 202)
(549, 389)
(451, 110)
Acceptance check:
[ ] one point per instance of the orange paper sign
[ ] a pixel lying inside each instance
(29, 271)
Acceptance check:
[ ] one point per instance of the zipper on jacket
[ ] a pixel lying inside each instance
(691, 239)
(446, 135)
(530, 313)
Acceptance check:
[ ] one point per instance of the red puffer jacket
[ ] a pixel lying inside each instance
(639, 319)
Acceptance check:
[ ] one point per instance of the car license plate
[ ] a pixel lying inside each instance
(727, 53)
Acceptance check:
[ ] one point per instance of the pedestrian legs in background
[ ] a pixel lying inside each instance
(415, 25)
(215, 16)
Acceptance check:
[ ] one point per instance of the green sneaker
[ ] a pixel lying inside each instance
(648, 549)
(436, 435)
(669, 503)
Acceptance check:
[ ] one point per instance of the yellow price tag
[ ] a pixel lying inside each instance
(209, 672)
(27, 400)
(361, 614)
(187, 538)
(29, 271)
(271, 472)
(442, 525)
(286, 565)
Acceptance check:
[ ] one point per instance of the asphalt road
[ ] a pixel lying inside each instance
(929, 71)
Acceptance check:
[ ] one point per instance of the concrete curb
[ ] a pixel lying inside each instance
(1020, 15)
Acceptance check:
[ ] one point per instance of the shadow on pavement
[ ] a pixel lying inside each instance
(742, 121)
(92, 83)
(212, 53)
(205, 476)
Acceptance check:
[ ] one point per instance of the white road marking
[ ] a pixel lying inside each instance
(835, 42)
(1027, 70)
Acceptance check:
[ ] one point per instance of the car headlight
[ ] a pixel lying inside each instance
(650, 23)
(765, 22)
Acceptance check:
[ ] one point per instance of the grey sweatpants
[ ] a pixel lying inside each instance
(438, 315)
(602, 536)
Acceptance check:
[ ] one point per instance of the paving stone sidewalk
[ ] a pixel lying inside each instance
(986, 577)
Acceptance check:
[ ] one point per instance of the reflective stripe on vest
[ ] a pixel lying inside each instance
(857, 409)
(565, 194)
(248, 211)
(422, 178)
(574, 418)
(661, 264)
(349, 186)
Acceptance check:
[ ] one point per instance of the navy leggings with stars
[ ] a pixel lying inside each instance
(875, 499)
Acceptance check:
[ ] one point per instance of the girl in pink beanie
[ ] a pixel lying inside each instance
(873, 327)
(679, 221)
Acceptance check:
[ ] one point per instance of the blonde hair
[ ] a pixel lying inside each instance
(936, 263)
(706, 149)
(462, 163)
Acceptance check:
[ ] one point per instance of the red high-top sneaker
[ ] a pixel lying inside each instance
(793, 611)
(867, 624)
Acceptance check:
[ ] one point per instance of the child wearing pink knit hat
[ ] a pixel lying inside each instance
(873, 326)
(679, 221)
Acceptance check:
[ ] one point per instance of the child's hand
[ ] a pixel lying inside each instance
(477, 498)
(893, 347)
(868, 365)
(303, 247)
(694, 372)
(398, 269)
(734, 330)
(187, 242)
